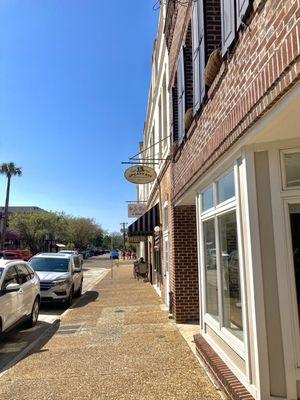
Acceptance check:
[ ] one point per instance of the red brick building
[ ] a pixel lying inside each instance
(235, 201)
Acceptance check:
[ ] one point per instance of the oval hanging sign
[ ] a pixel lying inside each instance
(140, 174)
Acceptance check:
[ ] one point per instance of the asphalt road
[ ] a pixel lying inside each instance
(18, 342)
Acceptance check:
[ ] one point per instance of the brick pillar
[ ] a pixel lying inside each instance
(184, 265)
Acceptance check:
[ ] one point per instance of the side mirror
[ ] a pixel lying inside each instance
(77, 270)
(12, 287)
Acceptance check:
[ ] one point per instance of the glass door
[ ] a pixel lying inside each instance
(294, 215)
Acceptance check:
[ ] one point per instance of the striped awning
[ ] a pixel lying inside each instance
(144, 226)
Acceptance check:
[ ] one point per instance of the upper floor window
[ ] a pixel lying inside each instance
(233, 12)
(198, 41)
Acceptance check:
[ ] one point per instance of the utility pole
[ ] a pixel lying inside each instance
(123, 230)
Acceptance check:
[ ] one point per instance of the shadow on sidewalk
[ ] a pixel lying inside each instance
(88, 297)
(21, 343)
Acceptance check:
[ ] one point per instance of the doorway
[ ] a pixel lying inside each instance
(294, 213)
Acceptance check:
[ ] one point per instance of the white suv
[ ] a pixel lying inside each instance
(19, 294)
(60, 274)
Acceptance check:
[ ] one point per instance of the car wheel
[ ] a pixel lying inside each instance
(79, 291)
(70, 298)
(34, 313)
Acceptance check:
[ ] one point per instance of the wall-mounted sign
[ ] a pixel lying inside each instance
(140, 174)
(136, 210)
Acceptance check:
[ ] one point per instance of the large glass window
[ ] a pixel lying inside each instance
(222, 265)
(210, 268)
(226, 187)
(230, 268)
(207, 199)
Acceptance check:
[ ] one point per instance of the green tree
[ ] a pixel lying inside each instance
(83, 232)
(38, 227)
(9, 170)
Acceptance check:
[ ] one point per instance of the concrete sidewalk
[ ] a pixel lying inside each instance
(115, 343)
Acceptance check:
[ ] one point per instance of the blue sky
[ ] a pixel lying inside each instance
(74, 79)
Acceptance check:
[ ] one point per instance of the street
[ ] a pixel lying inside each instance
(19, 341)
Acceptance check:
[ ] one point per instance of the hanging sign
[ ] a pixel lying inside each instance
(136, 210)
(140, 174)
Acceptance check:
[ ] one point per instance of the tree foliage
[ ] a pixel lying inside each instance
(38, 227)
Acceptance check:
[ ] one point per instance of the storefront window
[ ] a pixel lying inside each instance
(292, 169)
(221, 255)
(231, 274)
(208, 199)
(211, 268)
(226, 188)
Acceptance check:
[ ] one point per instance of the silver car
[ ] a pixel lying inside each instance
(61, 276)
(19, 294)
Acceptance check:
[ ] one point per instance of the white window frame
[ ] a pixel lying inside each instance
(291, 195)
(283, 169)
(229, 205)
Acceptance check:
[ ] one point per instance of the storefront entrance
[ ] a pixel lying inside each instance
(294, 211)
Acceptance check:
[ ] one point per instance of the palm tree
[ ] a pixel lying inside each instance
(10, 170)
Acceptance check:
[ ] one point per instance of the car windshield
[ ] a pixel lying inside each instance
(50, 264)
(1, 272)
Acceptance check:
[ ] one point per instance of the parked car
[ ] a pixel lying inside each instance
(9, 256)
(72, 252)
(114, 255)
(60, 274)
(19, 294)
(22, 254)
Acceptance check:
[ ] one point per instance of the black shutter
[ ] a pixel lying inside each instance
(181, 96)
(175, 114)
(241, 10)
(228, 23)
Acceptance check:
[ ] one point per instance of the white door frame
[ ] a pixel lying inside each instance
(285, 275)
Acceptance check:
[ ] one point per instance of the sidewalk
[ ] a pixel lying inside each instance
(115, 343)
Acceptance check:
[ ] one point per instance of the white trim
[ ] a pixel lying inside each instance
(256, 295)
(232, 341)
(283, 168)
(284, 266)
(238, 167)
(200, 276)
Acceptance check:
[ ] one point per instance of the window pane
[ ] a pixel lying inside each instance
(207, 199)
(292, 168)
(232, 303)
(226, 187)
(210, 268)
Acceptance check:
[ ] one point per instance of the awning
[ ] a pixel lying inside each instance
(144, 226)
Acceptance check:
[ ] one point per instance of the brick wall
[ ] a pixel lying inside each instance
(184, 264)
(263, 65)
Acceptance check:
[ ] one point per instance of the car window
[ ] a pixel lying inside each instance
(10, 277)
(76, 262)
(50, 264)
(23, 274)
(30, 270)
